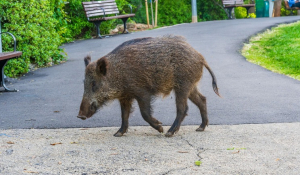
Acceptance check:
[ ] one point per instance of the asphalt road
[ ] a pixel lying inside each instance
(50, 97)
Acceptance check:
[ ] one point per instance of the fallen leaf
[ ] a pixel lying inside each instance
(10, 142)
(53, 144)
(277, 159)
(56, 111)
(198, 162)
(236, 152)
(74, 142)
(230, 148)
(30, 172)
(182, 151)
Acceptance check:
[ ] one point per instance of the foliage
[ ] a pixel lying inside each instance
(284, 12)
(174, 12)
(241, 12)
(170, 12)
(210, 10)
(277, 49)
(34, 27)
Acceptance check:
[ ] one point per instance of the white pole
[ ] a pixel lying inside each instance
(194, 11)
(271, 6)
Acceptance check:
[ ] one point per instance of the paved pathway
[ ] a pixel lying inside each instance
(50, 97)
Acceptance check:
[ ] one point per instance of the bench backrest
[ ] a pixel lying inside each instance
(231, 2)
(95, 8)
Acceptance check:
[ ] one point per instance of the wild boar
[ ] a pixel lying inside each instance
(141, 69)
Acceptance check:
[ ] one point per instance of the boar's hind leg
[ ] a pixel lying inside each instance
(182, 108)
(126, 105)
(198, 99)
(146, 111)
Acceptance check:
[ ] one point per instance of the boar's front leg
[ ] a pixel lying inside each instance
(126, 105)
(146, 111)
(182, 108)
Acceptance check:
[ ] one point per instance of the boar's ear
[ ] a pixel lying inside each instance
(87, 60)
(102, 65)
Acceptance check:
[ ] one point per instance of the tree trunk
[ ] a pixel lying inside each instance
(277, 7)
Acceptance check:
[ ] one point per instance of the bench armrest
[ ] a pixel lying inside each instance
(130, 8)
(15, 41)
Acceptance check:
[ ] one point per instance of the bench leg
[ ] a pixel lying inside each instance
(247, 8)
(229, 9)
(97, 24)
(124, 22)
(2, 81)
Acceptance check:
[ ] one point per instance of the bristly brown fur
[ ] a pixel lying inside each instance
(143, 68)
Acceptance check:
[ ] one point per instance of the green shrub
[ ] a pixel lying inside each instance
(170, 12)
(33, 25)
(210, 10)
(174, 12)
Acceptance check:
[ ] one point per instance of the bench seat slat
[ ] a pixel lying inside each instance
(240, 5)
(8, 55)
(233, 1)
(112, 17)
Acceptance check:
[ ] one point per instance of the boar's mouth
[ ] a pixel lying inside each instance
(82, 117)
(87, 110)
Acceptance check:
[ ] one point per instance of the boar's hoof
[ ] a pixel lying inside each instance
(200, 129)
(169, 134)
(118, 134)
(160, 129)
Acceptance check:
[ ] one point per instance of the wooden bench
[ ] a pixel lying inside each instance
(287, 7)
(96, 12)
(4, 57)
(230, 4)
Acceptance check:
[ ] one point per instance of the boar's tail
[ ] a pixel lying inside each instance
(214, 80)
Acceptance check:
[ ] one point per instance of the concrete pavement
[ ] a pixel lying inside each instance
(222, 149)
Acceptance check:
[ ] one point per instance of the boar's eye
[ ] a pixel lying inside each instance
(93, 86)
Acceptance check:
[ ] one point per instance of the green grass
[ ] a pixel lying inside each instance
(277, 49)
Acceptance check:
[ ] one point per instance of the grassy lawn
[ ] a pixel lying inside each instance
(277, 49)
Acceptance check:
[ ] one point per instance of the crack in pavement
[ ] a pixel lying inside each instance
(199, 150)
(174, 170)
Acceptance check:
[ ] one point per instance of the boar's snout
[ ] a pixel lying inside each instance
(87, 109)
(81, 117)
